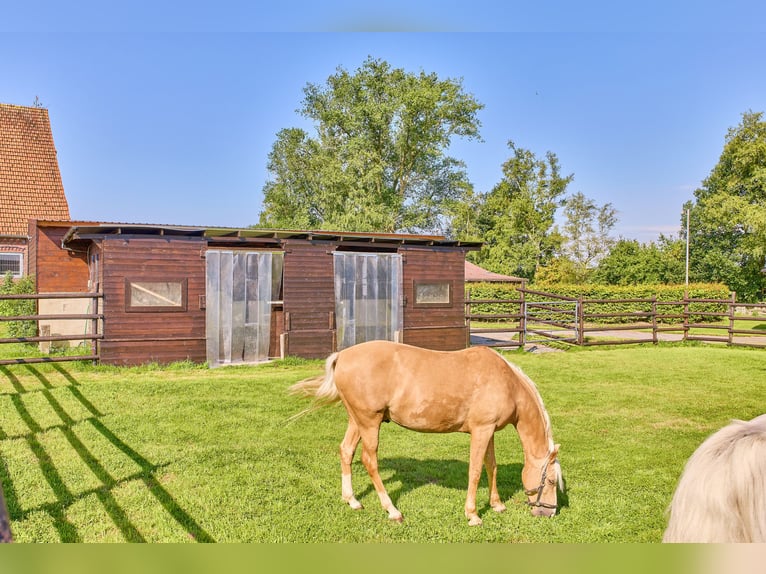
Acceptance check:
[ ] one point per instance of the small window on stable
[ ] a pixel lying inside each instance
(433, 293)
(155, 296)
(12, 262)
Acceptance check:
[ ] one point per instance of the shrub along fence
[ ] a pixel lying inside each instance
(583, 315)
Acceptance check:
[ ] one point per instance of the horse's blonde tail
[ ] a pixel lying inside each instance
(322, 388)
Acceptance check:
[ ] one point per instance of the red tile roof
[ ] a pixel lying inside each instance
(30, 182)
(476, 273)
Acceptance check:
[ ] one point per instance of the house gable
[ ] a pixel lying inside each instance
(30, 181)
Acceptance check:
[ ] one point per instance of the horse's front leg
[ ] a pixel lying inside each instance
(347, 450)
(480, 439)
(490, 463)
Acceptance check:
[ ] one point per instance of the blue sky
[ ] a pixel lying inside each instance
(170, 119)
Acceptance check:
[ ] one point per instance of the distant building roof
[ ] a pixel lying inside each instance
(474, 273)
(30, 182)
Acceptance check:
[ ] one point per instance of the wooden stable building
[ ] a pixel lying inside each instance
(229, 296)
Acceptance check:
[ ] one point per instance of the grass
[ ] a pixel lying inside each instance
(15, 350)
(183, 454)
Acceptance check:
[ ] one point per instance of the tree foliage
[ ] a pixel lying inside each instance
(632, 263)
(559, 270)
(728, 214)
(516, 219)
(378, 161)
(587, 231)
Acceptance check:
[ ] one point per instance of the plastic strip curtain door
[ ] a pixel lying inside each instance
(368, 298)
(238, 305)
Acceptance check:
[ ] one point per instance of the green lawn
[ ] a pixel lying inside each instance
(16, 350)
(187, 454)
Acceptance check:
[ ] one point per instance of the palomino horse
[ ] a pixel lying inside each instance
(474, 391)
(721, 495)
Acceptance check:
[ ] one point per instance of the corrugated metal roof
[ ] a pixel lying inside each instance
(223, 233)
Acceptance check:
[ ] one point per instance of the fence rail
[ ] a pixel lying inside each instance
(93, 319)
(537, 316)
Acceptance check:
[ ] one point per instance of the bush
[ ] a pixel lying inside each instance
(661, 292)
(612, 292)
(11, 308)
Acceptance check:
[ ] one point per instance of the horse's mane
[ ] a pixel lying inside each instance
(532, 388)
(721, 495)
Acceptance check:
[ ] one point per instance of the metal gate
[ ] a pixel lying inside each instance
(550, 317)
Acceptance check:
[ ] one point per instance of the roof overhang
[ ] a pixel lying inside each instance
(223, 235)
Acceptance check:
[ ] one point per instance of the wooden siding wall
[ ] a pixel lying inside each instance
(307, 315)
(56, 269)
(309, 299)
(164, 337)
(439, 328)
(275, 333)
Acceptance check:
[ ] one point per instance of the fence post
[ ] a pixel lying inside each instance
(580, 321)
(467, 311)
(5, 521)
(732, 306)
(94, 328)
(654, 320)
(523, 313)
(686, 315)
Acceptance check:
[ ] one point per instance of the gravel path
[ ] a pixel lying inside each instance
(538, 346)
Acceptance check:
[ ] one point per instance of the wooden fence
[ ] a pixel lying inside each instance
(537, 316)
(93, 316)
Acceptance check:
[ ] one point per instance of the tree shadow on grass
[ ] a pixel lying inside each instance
(64, 497)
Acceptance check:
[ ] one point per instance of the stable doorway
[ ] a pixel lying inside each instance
(368, 297)
(241, 287)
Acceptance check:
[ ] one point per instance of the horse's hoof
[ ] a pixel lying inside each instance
(396, 517)
(499, 508)
(474, 521)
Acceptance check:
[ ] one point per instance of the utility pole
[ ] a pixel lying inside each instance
(687, 248)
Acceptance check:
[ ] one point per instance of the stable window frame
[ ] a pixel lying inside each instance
(20, 258)
(436, 304)
(182, 308)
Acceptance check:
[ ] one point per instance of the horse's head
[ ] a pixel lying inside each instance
(541, 484)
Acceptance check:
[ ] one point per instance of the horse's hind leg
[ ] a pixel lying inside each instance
(347, 450)
(370, 432)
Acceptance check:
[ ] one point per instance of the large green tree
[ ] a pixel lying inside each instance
(378, 160)
(728, 215)
(586, 239)
(587, 231)
(630, 262)
(517, 218)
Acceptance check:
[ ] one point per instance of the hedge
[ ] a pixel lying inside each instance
(505, 291)
(612, 292)
(11, 308)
